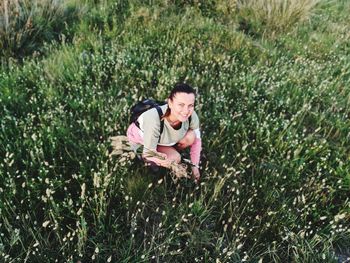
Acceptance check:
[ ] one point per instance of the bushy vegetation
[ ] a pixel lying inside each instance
(273, 16)
(275, 124)
(25, 25)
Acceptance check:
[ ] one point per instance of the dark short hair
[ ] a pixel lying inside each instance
(181, 87)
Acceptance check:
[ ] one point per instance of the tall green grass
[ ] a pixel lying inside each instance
(273, 16)
(274, 119)
(26, 25)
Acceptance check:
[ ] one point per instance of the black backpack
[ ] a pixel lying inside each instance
(146, 105)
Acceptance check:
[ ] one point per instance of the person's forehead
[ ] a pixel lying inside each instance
(184, 97)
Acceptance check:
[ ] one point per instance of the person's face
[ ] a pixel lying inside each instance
(181, 106)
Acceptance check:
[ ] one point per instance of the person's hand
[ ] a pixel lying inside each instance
(196, 174)
(165, 163)
(159, 159)
(163, 160)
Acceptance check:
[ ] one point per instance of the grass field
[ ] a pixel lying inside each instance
(274, 103)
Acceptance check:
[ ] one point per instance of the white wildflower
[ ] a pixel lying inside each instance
(46, 223)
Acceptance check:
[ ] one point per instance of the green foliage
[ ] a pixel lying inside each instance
(106, 15)
(275, 125)
(260, 17)
(25, 25)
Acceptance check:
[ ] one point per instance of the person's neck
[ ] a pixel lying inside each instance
(172, 121)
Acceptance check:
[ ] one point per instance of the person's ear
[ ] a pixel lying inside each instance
(170, 104)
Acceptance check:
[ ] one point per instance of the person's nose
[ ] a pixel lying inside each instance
(187, 110)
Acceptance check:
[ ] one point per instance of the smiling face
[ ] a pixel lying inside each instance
(181, 106)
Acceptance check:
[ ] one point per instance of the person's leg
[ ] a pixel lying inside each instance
(171, 153)
(134, 137)
(174, 156)
(187, 140)
(191, 140)
(133, 134)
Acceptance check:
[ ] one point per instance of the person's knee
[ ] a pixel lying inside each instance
(170, 152)
(175, 156)
(188, 140)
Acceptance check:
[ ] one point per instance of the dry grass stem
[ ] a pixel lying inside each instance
(178, 170)
(121, 147)
(276, 15)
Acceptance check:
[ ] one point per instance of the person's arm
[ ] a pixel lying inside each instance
(195, 156)
(196, 147)
(150, 125)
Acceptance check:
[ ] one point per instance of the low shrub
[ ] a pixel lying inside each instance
(25, 25)
(268, 17)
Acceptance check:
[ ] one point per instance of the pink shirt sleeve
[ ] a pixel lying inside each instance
(195, 151)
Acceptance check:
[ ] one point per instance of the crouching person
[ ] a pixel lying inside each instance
(167, 129)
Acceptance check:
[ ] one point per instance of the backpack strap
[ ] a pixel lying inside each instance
(160, 113)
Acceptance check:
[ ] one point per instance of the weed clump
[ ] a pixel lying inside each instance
(122, 148)
(268, 17)
(26, 24)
